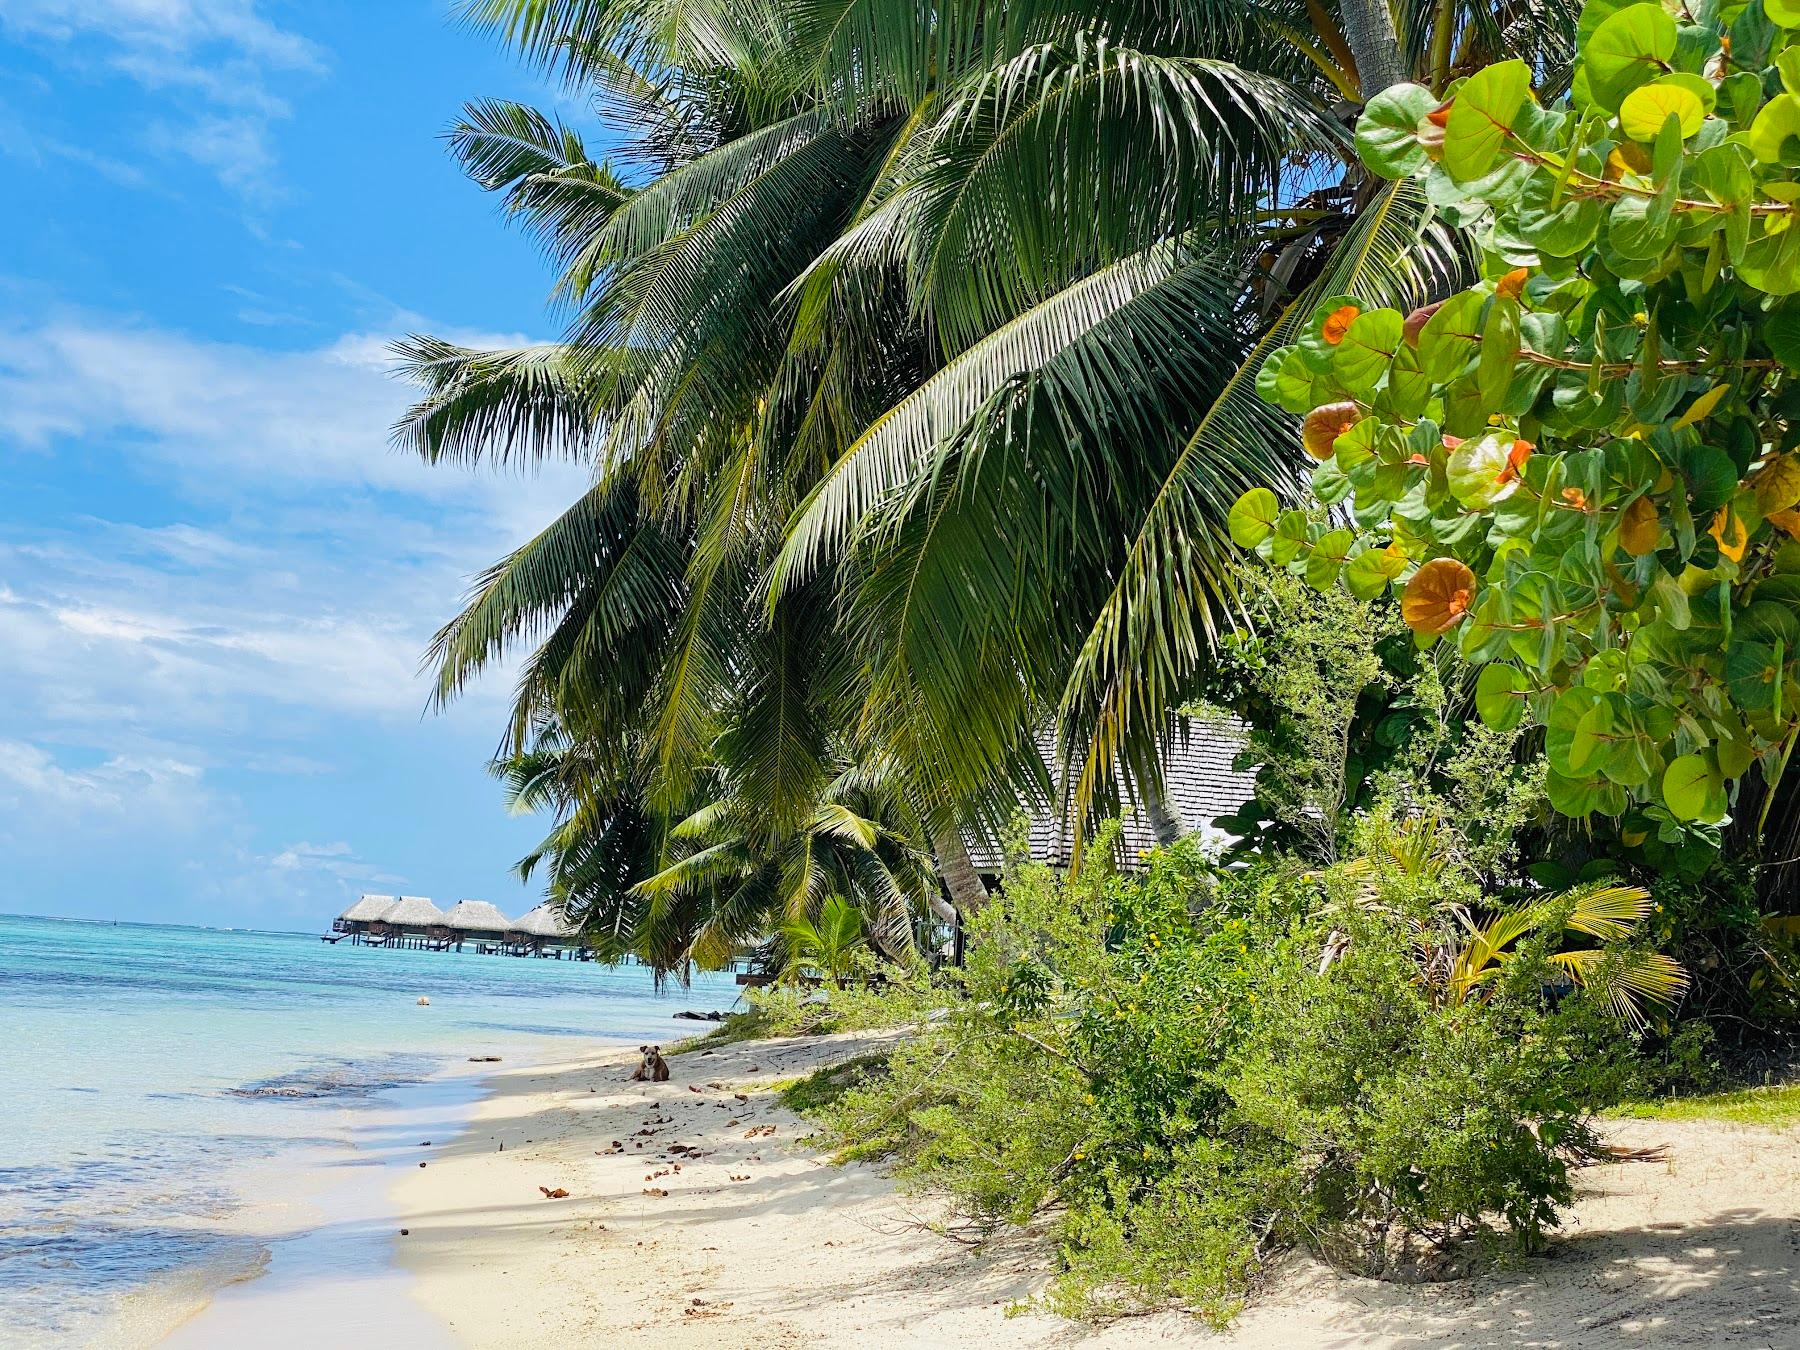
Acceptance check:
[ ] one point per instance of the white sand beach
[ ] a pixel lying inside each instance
(714, 1226)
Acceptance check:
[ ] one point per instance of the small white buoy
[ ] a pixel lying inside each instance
(424, 1002)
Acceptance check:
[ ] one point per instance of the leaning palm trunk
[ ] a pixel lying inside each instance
(1165, 820)
(1369, 31)
(967, 892)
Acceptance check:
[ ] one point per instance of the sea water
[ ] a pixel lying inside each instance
(145, 1068)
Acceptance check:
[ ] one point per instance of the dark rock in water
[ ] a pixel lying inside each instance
(484, 1059)
(406, 1232)
(689, 1016)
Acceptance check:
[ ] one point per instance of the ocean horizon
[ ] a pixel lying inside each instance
(152, 1069)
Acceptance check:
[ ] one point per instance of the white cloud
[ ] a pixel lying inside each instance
(301, 564)
(123, 787)
(178, 27)
(209, 407)
(209, 63)
(335, 860)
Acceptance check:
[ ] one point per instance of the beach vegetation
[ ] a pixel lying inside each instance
(828, 948)
(1578, 470)
(1776, 1106)
(1190, 1069)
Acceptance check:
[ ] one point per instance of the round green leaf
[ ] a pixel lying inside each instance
(1646, 108)
(1751, 674)
(1252, 517)
(1575, 797)
(1369, 574)
(1629, 49)
(1452, 337)
(1781, 330)
(1592, 742)
(1563, 723)
(1479, 473)
(1367, 347)
(1327, 558)
(1688, 789)
(1500, 695)
(1387, 133)
(1633, 761)
(1292, 537)
(1774, 129)
(1482, 116)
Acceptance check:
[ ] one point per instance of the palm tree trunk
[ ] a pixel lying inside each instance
(1164, 819)
(967, 893)
(1369, 29)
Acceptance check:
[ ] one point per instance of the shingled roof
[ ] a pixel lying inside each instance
(1200, 783)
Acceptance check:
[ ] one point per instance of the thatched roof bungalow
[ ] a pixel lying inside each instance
(413, 912)
(545, 924)
(468, 917)
(368, 909)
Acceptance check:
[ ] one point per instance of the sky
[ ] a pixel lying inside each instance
(217, 577)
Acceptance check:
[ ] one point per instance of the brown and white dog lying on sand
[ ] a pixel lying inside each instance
(653, 1068)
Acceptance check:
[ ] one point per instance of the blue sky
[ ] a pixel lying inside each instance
(216, 578)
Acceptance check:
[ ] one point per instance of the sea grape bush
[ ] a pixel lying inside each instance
(1582, 470)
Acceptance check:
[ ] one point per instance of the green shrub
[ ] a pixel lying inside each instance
(1192, 1068)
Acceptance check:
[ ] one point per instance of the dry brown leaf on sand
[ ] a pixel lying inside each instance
(1654, 1153)
(558, 1194)
(655, 1190)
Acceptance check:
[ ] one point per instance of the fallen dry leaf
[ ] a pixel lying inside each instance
(557, 1194)
(655, 1190)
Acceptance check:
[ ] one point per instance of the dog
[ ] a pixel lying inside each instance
(652, 1068)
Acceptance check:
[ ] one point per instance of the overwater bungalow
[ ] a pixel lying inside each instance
(477, 921)
(541, 932)
(368, 909)
(415, 922)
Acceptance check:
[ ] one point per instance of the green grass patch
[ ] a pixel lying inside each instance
(1772, 1107)
(746, 1026)
(822, 1088)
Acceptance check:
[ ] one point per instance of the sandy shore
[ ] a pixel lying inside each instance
(756, 1240)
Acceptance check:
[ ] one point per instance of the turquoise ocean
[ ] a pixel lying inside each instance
(144, 1068)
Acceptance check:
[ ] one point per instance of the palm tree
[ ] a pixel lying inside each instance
(828, 947)
(913, 347)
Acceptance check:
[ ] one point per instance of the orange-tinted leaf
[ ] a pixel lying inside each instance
(1777, 483)
(1440, 115)
(1515, 461)
(1438, 595)
(1785, 520)
(1512, 285)
(1323, 425)
(1338, 322)
(1629, 158)
(1640, 528)
(1733, 538)
(1575, 497)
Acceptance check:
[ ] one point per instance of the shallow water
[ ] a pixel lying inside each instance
(144, 1069)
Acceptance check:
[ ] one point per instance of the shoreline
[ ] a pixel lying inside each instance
(325, 1220)
(744, 1235)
